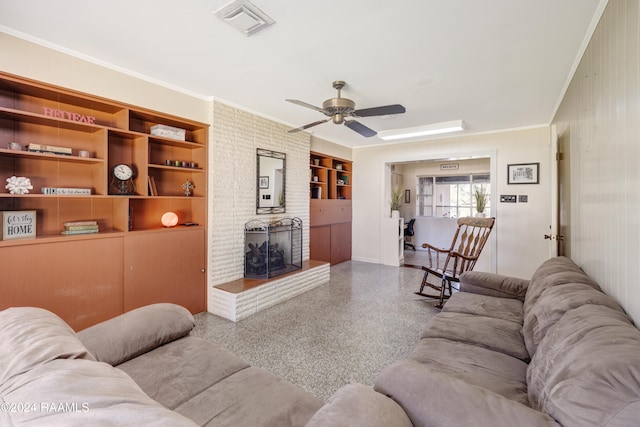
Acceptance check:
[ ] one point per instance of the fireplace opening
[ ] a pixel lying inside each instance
(272, 248)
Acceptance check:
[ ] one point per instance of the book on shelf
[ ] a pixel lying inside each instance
(153, 188)
(80, 227)
(70, 232)
(41, 148)
(80, 222)
(60, 191)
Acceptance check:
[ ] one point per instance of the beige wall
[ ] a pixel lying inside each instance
(33, 61)
(601, 114)
(330, 148)
(519, 243)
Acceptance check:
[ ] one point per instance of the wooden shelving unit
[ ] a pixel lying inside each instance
(330, 214)
(112, 133)
(333, 177)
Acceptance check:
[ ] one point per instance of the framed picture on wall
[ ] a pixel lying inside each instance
(523, 173)
(264, 182)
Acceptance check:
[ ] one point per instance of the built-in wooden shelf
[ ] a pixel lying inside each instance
(133, 260)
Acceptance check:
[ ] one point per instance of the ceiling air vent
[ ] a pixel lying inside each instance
(244, 16)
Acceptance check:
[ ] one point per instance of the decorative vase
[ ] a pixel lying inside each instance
(480, 215)
(395, 214)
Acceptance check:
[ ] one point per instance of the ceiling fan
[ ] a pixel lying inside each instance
(339, 109)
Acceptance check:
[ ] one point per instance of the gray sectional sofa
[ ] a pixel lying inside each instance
(549, 351)
(138, 369)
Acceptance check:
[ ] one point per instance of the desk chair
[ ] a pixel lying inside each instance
(468, 241)
(408, 232)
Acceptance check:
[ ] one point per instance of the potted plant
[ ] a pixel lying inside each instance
(396, 201)
(481, 200)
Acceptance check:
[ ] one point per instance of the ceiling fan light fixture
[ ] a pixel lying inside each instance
(427, 130)
(244, 16)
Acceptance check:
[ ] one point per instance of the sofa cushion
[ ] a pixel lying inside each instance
(586, 371)
(553, 303)
(251, 397)
(494, 334)
(356, 405)
(483, 305)
(495, 371)
(554, 272)
(436, 399)
(177, 371)
(133, 333)
(32, 336)
(554, 265)
(495, 285)
(67, 392)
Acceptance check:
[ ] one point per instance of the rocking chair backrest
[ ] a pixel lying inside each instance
(470, 238)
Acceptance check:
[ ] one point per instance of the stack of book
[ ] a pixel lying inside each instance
(53, 149)
(80, 227)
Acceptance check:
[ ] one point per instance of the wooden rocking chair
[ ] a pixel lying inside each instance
(468, 241)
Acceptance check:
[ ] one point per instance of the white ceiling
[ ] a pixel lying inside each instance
(496, 64)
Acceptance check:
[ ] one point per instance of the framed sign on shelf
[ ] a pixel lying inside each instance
(523, 173)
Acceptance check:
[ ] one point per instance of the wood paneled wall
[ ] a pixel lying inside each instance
(601, 112)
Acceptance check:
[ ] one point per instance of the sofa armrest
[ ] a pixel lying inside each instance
(436, 399)
(131, 334)
(356, 405)
(493, 285)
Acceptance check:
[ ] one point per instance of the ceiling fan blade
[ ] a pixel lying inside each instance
(380, 111)
(319, 122)
(360, 128)
(304, 104)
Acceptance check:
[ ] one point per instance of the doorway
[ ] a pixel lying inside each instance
(433, 207)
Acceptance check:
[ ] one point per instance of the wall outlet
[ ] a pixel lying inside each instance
(523, 198)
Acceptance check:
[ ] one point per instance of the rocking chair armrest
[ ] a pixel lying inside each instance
(466, 257)
(428, 246)
(496, 285)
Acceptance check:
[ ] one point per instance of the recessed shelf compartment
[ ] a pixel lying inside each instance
(142, 122)
(333, 177)
(31, 97)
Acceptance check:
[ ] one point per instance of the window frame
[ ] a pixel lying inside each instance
(431, 182)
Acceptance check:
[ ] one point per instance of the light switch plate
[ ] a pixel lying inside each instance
(510, 198)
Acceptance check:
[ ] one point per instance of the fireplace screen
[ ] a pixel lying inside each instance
(272, 248)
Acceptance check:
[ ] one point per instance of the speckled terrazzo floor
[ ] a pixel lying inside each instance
(348, 330)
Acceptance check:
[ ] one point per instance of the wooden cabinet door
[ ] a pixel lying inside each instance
(167, 266)
(320, 243)
(340, 242)
(79, 280)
